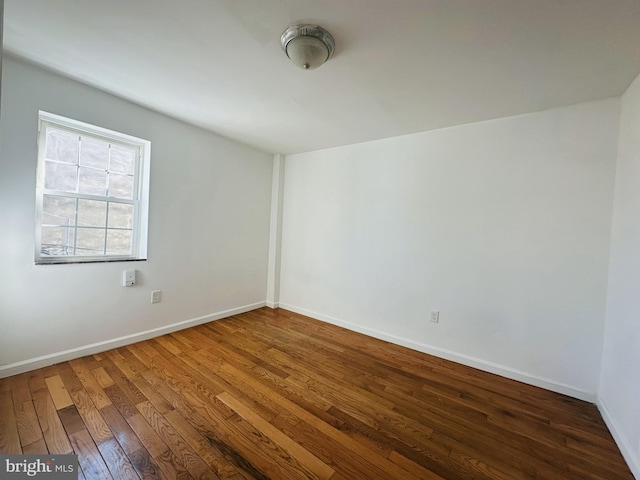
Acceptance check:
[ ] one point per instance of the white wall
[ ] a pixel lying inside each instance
(275, 232)
(503, 226)
(620, 378)
(1, 39)
(208, 234)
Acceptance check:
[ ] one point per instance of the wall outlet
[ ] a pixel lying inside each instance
(434, 316)
(156, 296)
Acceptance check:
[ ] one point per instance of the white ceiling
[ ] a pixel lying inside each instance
(401, 66)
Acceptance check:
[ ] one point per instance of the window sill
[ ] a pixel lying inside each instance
(69, 261)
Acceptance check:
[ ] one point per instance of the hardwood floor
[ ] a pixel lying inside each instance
(272, 394)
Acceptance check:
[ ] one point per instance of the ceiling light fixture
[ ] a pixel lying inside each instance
(308, 46)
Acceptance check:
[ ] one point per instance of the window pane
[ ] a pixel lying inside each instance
(61, 146)
(90, 241)
(92, 181)
(121, 186)
(92, 186)
(92, 213)
(58, 210)
(60, 176)
(120, 215)
(94, 153)
(57, 241)
(122, 159)
(119, 242)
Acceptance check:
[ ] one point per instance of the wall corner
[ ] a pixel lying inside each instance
(275, 231)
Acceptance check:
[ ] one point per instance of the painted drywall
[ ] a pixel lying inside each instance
(275, 232)
(1, 41)
(503, 226)
(208, 226)
(620, 377)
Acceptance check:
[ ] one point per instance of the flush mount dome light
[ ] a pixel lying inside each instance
(308, 46)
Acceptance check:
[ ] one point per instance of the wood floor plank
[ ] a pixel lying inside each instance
(133, 368)
(71, 381)
(27, 422)
(19, 386)
(236, 440)
(145, 466)
(191, 461)
(91, 417)
(52, 430)
(354, 446)
(417, 470)
(58, 392)
(238, 437)
(120, 380)
(120, 400)
(102, 377)
(89, 457)
(310, 462)
(479, 432)
(121, 430)
(81, 474)
(272, 394)
(225, 460)
(367, 407)
(349, 462)
(9, 437)
(214, 459)
(89, 383)
(334, 453)
(171, 468)
(149, 438)
(71, 420)
(116, 460)
(39, 447)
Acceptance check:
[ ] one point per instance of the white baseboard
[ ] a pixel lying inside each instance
(480, 364)
(273, 304)
(52, 358)
(623, 444)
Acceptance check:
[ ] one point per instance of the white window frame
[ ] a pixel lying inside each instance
(140, 199)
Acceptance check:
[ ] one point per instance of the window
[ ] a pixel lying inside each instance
(92, 193)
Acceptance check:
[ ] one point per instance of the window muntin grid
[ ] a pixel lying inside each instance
(89, 193)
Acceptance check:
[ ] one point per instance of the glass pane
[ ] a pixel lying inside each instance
(60, 176)
(61, 146)
(57, 241)
(94, 153)
(120, 215)
(122, 159)
(90, 241)
(92, 213)
(92, 181)
(121, 186)
(119, 242)
(58, 210)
